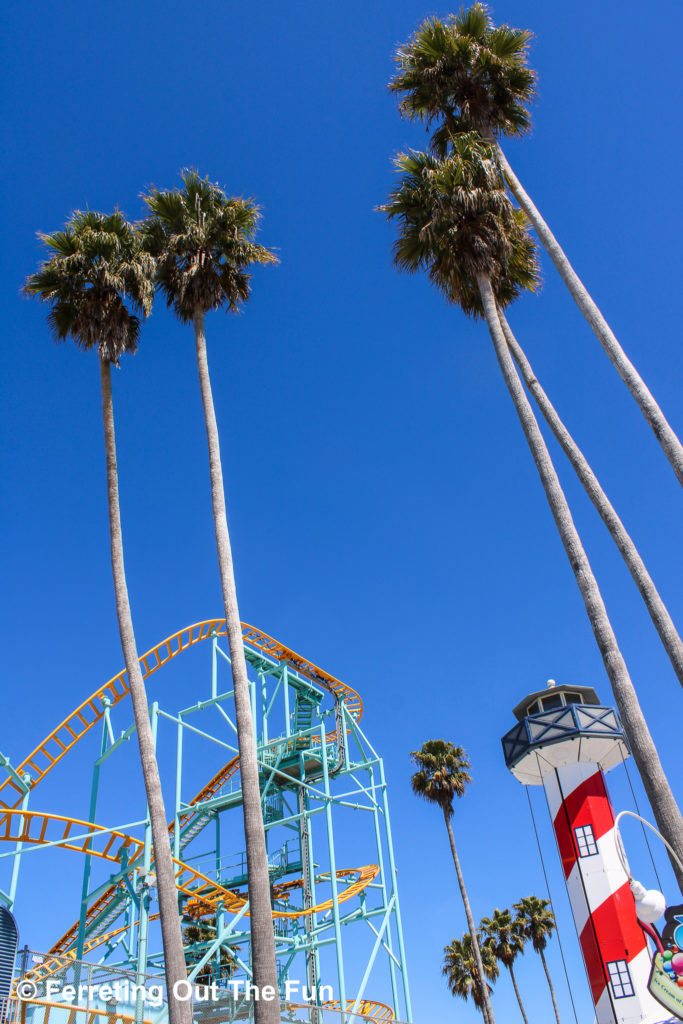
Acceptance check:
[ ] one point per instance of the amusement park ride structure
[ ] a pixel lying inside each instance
(336, 926)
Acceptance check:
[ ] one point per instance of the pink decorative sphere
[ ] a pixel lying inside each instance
(677, 963)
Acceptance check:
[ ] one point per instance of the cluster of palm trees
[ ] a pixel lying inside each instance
(458, 221)
(443, 773)
(502, 938)
(196, 247)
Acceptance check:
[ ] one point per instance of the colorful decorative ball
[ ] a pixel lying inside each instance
(667, 954)
(677, 963)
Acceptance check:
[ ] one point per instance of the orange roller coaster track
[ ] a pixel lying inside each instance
(205, 895)
(61, 740)
(36, 827)
(367, 1008)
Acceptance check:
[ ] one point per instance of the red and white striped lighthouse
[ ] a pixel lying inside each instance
(564, 741)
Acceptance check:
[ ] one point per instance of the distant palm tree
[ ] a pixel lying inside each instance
(537, 923)
(204, 244)
(457, 223)
(463, 970)
(198, 933)
(466, 74)
(506, 942)
(443, 774)
(96, 266)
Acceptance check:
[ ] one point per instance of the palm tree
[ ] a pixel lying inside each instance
(464, 73)
(658, 611)
(96, 266)
(463, 970)
(506, 941)
(197, 933)
(443, 774)
(457, 223)
(204, 244)
(537, 923)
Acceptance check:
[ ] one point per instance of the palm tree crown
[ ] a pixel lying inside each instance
(204, 243)
(467, 73)
(201, 934)
(96, 264)
(460, 968)
(456, 221)
(443, 773)
(536, 921)
(505, 936)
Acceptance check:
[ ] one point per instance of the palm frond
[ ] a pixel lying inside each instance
(474, 22)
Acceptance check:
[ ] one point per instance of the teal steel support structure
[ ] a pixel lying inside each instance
(329, 842)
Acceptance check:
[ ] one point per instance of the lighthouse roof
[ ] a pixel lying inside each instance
(572, 695)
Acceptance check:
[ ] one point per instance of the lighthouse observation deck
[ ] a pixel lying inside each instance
(569, 733)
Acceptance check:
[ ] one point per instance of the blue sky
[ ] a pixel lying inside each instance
(386, 517)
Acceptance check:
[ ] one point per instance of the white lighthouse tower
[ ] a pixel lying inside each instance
(565, 740)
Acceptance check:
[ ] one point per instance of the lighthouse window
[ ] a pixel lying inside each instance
(554, 701)
(620, 977)
(573, 698)
(585, 841)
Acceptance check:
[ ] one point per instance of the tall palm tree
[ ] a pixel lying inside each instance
(96, 281)
(537, 923)
(443, 774)
(464, 74)
(463, 970)
(658, 611)
(204, 244)
(505, 938)
(457, 223)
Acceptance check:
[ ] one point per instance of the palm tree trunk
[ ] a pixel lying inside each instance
(519, 998)
(262, 937)
(665, 809)
(641, 577)
(174, 957)
(550, 986)
(673, 449)
(483, 984)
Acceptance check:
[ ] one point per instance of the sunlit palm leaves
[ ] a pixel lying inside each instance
(456, 221)
(536, 921)
(461, 972)
(443, 773)
(96, 270)
(204, 241)
(466, 74)
(505, 935)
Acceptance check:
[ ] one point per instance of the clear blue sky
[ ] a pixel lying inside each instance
(386, 516)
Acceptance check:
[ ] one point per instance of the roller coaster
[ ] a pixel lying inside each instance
(323, 791)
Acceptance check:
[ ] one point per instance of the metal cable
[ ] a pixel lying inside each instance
(635, 801)
(547, 886)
